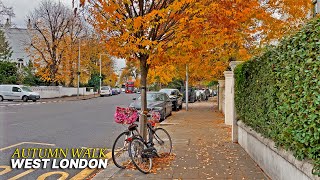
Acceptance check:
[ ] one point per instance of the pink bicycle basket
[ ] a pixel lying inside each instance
(125, 115)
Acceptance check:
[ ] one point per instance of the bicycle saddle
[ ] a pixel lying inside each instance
(132, 127)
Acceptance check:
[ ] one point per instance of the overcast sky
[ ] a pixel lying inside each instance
(22, 8)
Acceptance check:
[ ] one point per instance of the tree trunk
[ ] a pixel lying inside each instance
(143, 85)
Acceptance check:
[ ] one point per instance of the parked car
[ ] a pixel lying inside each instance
(191, 95)
(114, 91)
(214, 93)
(158, 101)
(106, 91)
(118, 90)
(175, 97)
(16, 92)
(198, 95)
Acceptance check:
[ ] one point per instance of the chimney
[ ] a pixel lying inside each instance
(7, 24)
(29, 24)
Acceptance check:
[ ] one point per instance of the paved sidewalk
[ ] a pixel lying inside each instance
(203, 148)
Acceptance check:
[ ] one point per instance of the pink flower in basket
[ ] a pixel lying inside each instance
(125, 115)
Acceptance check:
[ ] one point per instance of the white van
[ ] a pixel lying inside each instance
(17, 92)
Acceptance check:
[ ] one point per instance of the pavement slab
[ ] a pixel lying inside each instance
(203, 147)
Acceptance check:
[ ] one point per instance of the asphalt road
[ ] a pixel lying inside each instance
(71, 124)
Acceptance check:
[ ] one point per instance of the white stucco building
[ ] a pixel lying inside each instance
(19, 40)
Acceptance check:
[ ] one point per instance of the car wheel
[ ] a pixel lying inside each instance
(25, 98)
(1, 98)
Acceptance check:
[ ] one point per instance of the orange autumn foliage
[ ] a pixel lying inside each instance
(204, 34)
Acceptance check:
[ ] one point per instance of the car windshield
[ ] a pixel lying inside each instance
(154, 97)
(104, 88)
(167, 91)
(26, 89)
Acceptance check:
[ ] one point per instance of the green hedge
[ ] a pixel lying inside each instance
(278, 93)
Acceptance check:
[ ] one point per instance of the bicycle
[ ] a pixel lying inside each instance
(130, 116)
(141, 151)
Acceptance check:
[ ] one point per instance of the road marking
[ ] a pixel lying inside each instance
(64, 175)
(14, 145)
(87, 171)
(6, 170)
(21, 174)
(14, 124)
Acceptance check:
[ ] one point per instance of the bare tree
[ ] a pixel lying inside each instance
(50, 23)
(5, 13)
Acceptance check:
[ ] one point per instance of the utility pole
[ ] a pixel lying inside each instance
(100, 78)
(187, 88)
(78, 71)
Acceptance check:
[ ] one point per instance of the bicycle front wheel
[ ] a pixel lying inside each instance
(136, 152)
(162, 142)
(120, 155)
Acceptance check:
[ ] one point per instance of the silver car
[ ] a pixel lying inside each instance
(157, 101)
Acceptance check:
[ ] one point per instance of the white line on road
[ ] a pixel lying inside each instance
(14, 145)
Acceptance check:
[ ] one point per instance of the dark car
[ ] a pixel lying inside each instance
(175, 97)
(158, 101)
(191, 94)
(114, 91)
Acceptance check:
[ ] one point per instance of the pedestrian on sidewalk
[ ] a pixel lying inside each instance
(207, 93)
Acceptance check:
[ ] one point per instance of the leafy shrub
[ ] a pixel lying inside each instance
(8, 72)
(278, 93)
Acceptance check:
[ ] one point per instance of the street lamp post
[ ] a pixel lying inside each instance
(78, 70)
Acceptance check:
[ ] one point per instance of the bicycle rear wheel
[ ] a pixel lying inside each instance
(162, 142)
(136, 147)
(120, 155)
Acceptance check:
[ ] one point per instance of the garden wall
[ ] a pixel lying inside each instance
(278, 95)
(59, 91)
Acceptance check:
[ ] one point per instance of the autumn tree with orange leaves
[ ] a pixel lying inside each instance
(136, 29)
(204, 34)
(217, 32)
(56, 34)
(48, 26)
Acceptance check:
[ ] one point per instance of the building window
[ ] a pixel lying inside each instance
(20, 63)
